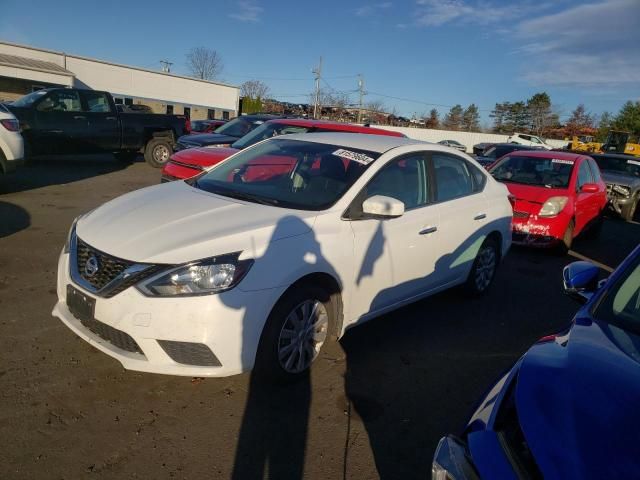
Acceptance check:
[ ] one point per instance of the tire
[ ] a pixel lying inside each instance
(630, 210)
(484, 267)
(157, 152)
(126, 157)
(283, 357)
(567, 239)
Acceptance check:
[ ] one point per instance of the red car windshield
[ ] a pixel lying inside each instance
(288, 173)
(537, 171)
(264, 131)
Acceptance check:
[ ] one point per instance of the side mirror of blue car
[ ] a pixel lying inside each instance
(580, 280)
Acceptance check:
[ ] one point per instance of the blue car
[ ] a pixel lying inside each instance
(570, 407)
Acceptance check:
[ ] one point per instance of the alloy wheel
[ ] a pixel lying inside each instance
(302, 336)
(485, 268)
(161, 154)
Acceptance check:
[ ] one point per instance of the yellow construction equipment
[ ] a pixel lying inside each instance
(618, 142)
(584, 143)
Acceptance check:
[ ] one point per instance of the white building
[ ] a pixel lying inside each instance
(24, 69)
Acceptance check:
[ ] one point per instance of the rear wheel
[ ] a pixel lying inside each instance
(629, 211)
(484, 268)
(157, 152)
(295, 333)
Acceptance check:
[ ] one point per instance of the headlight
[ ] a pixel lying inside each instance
(451, 461)
(621, 190)
(553, 206)
(205, 277)
(67, 244)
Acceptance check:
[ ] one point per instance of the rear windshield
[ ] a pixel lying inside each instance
(267, 130)
(238, 127)
(625, 166)
(543, 172)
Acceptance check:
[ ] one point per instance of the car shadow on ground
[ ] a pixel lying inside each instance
(13, 218)
(56, 170)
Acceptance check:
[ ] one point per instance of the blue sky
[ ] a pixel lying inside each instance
(429, 51)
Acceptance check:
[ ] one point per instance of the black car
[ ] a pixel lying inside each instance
(478, 148)
(226, 134)
(497, 150)
(621, 173)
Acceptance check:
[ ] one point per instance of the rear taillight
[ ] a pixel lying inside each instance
(187, 125)
(512, 201)
(11, 124)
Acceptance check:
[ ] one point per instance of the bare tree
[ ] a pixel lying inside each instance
(204, 63)
(254, 89)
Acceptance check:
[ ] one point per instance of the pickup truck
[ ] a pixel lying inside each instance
(77, 121)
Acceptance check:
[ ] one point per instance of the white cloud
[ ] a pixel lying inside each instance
(248, 12)
(372, 9)
(435, 13)
(588, 45)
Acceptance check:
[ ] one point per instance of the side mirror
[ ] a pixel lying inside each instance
(580, 280)
(589, 188)
(380, 206)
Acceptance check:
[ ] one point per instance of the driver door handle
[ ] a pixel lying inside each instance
(480, 216)
(428, 230)
(79, 117)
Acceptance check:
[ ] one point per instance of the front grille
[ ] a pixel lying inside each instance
(518, 214)
(189, 353)
(112, 335)
(108, 267)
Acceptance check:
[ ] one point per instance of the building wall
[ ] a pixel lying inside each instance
(140, 84)
(14, 88)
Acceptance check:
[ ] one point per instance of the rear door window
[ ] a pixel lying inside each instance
(97, 102)
(452, 176)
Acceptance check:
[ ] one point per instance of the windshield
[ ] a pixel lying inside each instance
(238, 127)
(199, 126)
(267, 130)
(625, 166)
(288, 173)
(543, 172)
(621, 304)
(28, 100)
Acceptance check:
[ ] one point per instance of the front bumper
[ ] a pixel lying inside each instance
(617, 202)
(10, 166)
(535, 231)
(228, 324)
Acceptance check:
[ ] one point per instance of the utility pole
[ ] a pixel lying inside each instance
(166, 65)
(362, 93)
(318, 73)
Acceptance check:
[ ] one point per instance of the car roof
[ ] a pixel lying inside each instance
(620, 156)
(342, 126)
(262, 116)
(548, 154)
(516, 146)
(373, 143)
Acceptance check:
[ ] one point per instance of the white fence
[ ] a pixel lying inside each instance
(469, 139)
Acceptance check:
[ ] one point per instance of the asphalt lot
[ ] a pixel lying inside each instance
(375, 404)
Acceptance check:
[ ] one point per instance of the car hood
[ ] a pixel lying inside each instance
(203, 157)
(175, 223)
(611, 178)
(532, 194)
(577, 401)
(202, 139)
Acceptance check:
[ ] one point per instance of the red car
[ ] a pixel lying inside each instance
(558, 195)
(190, 162)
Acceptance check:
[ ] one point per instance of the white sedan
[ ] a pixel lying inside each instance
(11, 142)
(281, 247)
(528, 140)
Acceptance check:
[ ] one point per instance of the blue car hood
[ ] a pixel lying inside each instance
(203, 139)
(578, 403)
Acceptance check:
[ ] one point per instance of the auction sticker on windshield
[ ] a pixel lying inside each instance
(356, 157)
(565, 162)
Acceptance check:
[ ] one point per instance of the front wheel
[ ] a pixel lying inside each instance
(294, 334)
(157, 152)
(567, 239)
(484, 268)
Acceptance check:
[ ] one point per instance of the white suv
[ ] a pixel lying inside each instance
(529, 140)
(284, 245)
(11, 142)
